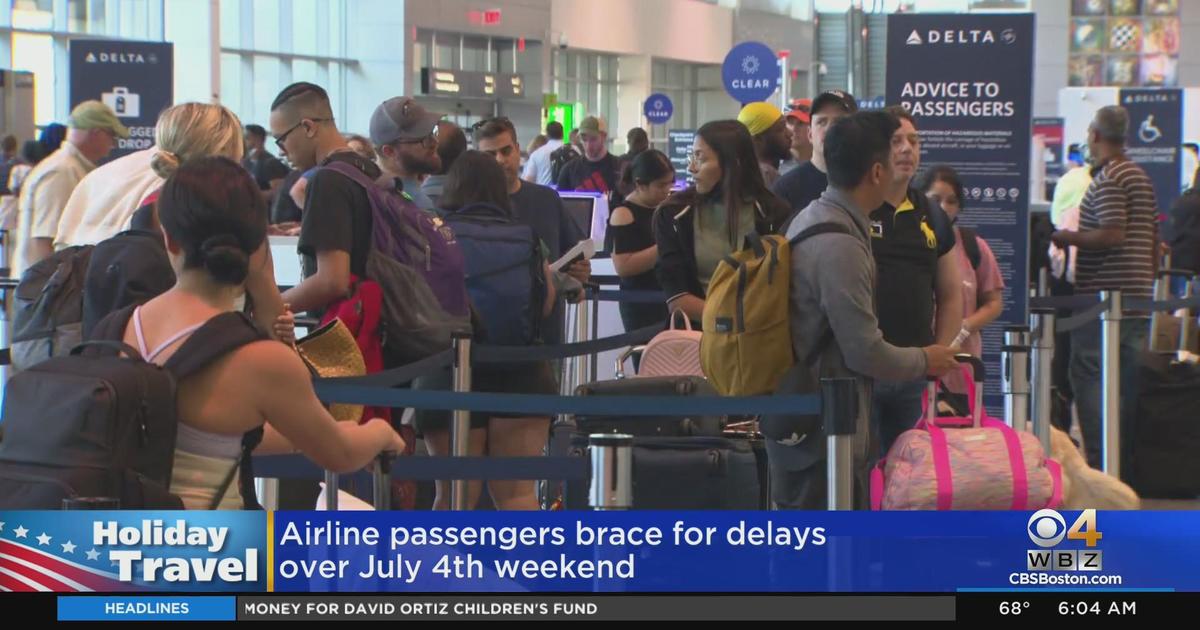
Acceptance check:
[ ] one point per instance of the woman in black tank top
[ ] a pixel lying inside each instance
(632, 227)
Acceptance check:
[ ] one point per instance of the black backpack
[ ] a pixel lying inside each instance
(560, 158)
(967, 237)
(98, 424)
(48, 312)
(130, 268)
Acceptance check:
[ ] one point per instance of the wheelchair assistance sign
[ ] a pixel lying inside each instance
(135, 79)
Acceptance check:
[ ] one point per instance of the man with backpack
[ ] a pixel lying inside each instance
(835, 331)
(335, 234)
(537, 206)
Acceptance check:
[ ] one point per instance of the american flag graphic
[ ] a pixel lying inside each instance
(46, 561)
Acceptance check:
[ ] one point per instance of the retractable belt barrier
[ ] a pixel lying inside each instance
(1095, 307)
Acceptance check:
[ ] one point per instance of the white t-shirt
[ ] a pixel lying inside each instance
(44, 195)
(538, 168)
(104, 201)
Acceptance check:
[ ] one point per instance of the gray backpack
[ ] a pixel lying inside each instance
(48, 314)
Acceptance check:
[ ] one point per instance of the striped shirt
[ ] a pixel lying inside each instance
(1121, 195)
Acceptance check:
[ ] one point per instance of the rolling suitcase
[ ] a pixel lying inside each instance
(1166, 451)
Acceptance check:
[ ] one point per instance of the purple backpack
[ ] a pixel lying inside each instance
(416, 238)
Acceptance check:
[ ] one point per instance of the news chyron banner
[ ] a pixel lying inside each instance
(135, 79)
(967, 80)
(134, 558)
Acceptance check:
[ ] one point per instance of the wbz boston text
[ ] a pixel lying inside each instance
(1061, 567)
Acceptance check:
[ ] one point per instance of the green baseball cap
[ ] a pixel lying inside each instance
(96, 115)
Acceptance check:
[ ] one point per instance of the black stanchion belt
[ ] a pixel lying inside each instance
(484, 353)
(546, 405)
(1081, 319)
(437, 468)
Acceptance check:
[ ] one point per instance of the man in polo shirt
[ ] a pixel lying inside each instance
(803, 184)
(92, 135)
(772, 138)
(912, 241)
(1116, 241)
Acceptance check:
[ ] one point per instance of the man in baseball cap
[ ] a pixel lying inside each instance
(92, 134)
(597, 169)
(405, 137)
(772, 138)
(799, 119)
(805, 183)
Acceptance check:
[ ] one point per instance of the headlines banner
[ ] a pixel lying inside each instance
(966, 81)
(598, 552)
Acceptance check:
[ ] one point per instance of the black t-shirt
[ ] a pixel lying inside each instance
(630, 239)
(265, 168)
(583, 174)
(541, 208)
(337, 215)
(801, 186)
(283, 209)
(907, 244)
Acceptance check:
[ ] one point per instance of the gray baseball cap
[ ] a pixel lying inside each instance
(401, 118)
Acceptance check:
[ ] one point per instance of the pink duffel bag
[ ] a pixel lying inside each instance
(976, 463)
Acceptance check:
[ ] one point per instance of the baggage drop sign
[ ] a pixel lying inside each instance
(135, 79)
(965, 79)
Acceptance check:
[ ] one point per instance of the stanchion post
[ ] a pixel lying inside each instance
(594, 303)
(460, 428)
(382, 477)
(839, 414)
(1110, 382)
(331, 491)
(1162, 290)
(1042, 327)
(1015, 361)
(267, 491)
(612, 471)
(583, 328)
(1188, 320)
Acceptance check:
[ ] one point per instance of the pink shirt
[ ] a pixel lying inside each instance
(974, 282)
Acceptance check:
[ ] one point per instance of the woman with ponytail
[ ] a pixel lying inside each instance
(214, 221)
(192, 131)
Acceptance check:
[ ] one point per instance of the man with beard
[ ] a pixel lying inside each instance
(772, 138)
(406, 154)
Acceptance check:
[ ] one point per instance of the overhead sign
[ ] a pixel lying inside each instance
(658, 108)
(1155, 136)
(750, 72)
(468, 84)
(135, 79)
(965, 79)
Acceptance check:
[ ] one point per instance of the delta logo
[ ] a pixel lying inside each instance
(960, 36)
(113, 57)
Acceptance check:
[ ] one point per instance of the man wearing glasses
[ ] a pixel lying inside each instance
(93, 134)
(335, 229)
(405, 137)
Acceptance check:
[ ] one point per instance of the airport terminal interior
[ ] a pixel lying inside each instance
(991, 200)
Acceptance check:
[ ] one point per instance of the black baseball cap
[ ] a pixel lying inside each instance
(835, 98)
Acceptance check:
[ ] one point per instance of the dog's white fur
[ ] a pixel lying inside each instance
(1085, 487)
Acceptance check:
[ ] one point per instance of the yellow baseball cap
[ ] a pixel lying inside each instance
(96, 115)
(758, 117)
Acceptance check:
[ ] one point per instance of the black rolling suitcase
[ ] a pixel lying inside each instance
(679, 462)
(1166, 458)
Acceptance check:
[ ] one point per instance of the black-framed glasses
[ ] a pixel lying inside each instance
(281, 138)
